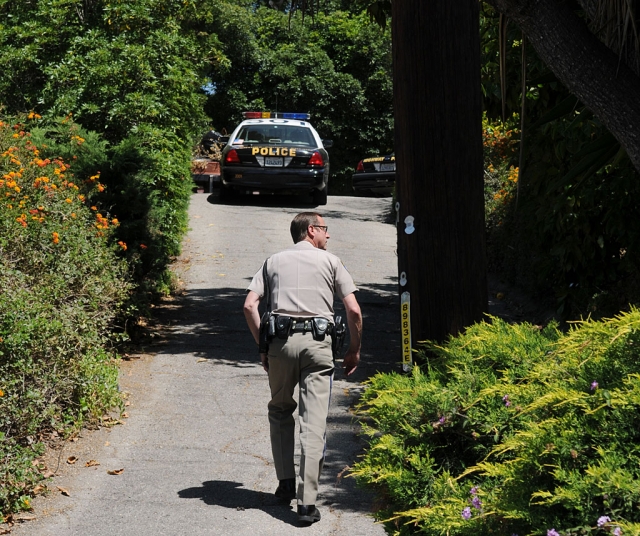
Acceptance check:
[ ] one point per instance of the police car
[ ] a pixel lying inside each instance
(375, 175)
(275, 153)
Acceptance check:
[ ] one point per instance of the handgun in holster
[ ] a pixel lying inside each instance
(337, 336)
(267, 331)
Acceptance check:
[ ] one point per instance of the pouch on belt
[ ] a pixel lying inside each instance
(283, 326)
(319, 327)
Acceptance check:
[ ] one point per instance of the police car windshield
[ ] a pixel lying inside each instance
(276, 135)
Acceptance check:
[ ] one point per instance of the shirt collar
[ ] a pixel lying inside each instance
(303, 244)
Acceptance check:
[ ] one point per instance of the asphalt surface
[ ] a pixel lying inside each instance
(194, 445)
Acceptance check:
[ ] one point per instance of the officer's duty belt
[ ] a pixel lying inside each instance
(301, 325)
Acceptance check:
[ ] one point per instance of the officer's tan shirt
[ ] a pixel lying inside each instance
(303, 281)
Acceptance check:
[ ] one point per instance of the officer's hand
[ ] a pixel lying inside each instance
(350, 361)
(265, 362)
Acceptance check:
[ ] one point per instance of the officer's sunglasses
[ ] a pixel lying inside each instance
(325, 228)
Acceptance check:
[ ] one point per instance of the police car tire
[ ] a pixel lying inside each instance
(320, 196)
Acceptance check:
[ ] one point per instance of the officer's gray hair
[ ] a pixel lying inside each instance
(301, 223)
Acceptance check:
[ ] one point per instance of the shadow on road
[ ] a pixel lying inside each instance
(233, 495)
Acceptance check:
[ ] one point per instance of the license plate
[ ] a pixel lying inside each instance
(273, 162)
(387, 167)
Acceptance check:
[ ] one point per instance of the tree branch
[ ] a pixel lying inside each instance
(590, 70)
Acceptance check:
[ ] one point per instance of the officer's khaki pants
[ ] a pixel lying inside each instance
(310, 363)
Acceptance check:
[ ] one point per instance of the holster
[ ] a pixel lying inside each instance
(267, 332)
(337, 336)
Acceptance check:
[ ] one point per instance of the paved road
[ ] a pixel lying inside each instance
(195, 448)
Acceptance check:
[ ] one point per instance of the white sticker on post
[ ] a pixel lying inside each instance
(408, 221)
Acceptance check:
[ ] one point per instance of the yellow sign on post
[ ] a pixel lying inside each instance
(405, 316)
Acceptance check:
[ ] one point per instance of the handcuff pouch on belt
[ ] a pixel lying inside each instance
(283, 326)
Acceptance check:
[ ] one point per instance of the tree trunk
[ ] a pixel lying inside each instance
(439, 177)
(590, 70)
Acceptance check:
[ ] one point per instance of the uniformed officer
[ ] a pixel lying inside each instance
(302, 282)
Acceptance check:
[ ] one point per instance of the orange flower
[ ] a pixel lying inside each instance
(73, 215)
(100, 188)
(115, 221)
(122, 245)
(142, 246)
(94, 208)
(1, 391)
(68, 200)
(56, 237)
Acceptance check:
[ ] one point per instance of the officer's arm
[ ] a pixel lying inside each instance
(252, 315)
(354, 319)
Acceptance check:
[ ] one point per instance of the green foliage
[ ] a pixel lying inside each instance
(132, 72)
(583, 203)
(149, 180)
(528, 429)
(63, 283)
(574, 235)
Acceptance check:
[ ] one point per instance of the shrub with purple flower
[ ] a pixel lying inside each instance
(466, 514)
(553, 532)
(603, 520)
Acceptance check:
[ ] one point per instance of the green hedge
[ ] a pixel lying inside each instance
(149, 182)
(511, 429)
(62, 282)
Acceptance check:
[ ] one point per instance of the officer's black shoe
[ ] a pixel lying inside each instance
(308, 514)
(286, 489)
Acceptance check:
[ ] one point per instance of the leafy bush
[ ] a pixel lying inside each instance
(149, 181)
(511, 429)
(62, 283)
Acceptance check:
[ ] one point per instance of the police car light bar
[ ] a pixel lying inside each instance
(276, 115)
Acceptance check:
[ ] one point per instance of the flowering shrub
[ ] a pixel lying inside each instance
(511, 429)
(61, 284)
(500, 143)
